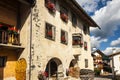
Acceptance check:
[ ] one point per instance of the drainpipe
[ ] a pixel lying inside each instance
(30, 58)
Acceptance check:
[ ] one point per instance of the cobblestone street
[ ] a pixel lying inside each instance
(103, 78)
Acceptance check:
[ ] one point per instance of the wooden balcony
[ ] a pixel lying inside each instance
(9, 38)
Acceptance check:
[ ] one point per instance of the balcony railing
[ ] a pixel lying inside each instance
(9, 38)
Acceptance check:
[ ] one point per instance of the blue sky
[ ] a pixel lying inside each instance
(106, 13)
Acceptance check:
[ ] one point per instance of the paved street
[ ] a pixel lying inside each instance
(103, 78)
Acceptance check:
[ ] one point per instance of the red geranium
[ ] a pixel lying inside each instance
(64, 17)
(51, 6)
(13, 30)
(50, 33)
(63, 38)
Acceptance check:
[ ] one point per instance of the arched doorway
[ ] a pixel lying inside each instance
(54, 69)
(20, 69)
(73, 69)
(73, 63)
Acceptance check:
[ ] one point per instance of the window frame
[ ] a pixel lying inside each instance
(85, 29)
(86, 63)
(49, 34)
(74, 20)
(65, 37)
(3, 60)
(78, 42)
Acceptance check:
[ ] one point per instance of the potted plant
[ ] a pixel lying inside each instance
(85, 47)
(42, 75)
(51, 6)
(49, 33)
(13, 32)
(64, 17)
(63, 39)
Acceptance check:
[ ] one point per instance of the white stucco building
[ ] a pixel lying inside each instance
(54, 36)
(115, 62)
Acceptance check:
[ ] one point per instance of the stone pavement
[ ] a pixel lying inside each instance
(109, 77)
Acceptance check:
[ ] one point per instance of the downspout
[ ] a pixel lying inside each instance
(33, 2)
(30, 58)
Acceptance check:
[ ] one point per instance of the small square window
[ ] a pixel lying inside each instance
(85, 46)
(64, 37)
(86, 63)
(85, 29)
(50, 32)
(3, 60)
(74, 20)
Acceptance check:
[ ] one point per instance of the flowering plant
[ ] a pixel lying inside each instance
(49, 33)
(64, 17)
(42, 75)
(63, 39)
(51, 6)
(85, 47)
(13, 30)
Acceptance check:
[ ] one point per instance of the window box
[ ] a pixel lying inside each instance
(51, 6)
(64, 17)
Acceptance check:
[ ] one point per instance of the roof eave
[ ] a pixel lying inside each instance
(86, 17)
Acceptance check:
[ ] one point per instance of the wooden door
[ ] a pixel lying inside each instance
(20, 70)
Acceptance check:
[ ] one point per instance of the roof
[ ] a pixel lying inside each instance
(114, 54)
(83, 15)
(99, 52)
(105, 57)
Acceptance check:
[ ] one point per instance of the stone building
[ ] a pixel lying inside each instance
(43, 36)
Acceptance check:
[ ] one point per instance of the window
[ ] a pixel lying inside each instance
(86, 63)
(85, 45)
(77, 39)
(50, 4)
(3, 60)
(50, 32)
(64, 37)
(64, 14)
(85, 29)
(74, 20)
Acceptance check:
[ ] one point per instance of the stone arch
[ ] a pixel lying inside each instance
(73, 63)
(54, 69)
